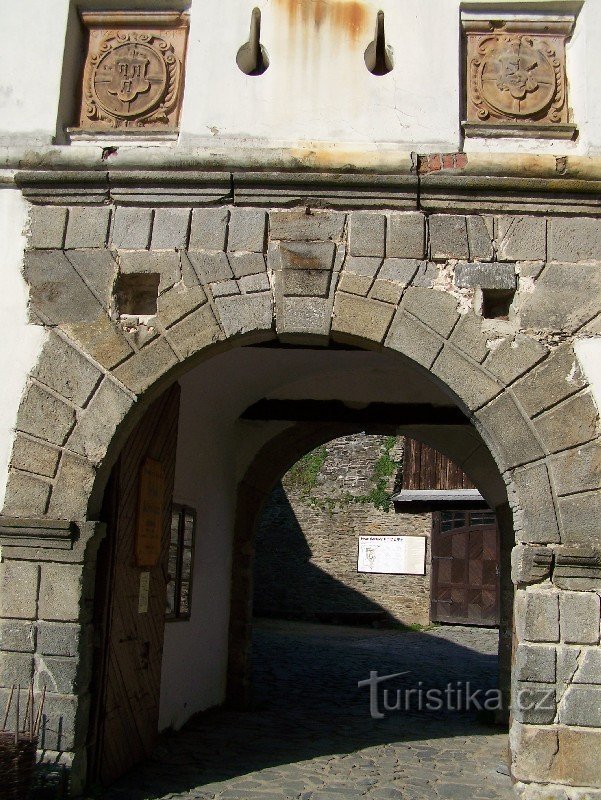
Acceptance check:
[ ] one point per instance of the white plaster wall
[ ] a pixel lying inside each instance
(21, 343)
(588, 353)
(31, 57)
(317, 88)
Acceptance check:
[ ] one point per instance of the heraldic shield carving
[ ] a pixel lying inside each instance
(516, 78)
(133, 74)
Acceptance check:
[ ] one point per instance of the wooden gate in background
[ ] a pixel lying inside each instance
(130, 599)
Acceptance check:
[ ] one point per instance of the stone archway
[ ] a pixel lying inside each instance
(230, 275)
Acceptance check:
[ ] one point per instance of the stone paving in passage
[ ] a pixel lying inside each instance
(310, 735)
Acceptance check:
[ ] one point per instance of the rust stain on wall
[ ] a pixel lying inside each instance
(348, 16)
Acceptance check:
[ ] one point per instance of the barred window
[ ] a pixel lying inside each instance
(181, 560)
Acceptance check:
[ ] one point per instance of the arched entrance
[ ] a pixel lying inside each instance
(104, 362)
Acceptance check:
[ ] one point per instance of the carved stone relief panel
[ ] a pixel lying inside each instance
(134, 71)
(515, 77)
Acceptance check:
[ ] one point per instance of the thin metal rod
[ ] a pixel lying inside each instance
(39, 716)
(31, 711)
(8, 705)
(17, 715)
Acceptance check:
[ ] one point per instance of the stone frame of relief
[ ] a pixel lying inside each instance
(133, 75)
(515, 79)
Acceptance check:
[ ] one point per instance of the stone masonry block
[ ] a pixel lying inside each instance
(580, 518)
(62, 638)
(479, 234)
(406, 235)
(17, 636)
(47, 227)
(581, 705)
(486, 275)
(88, 226)
(426, 275)
(531, 564)
(582, 414)
(26, 495)
(98, 269)
(224, 288)
(386, 291)
(534, 749)
(34, 456)
(210, 267)
(589, 666)
(557, 377)
(57, 293)
(245, 313)
(367, 234)
(45, 416)
(66, 592)
(96, 426)
(132, 227)
(578, 567)
(208, 229)
(362, 265)
(145, 367)
(249, 284)
(19, 582)
(448, 237)
(166, 264)
(535, 662)
(195, 332)
(437, 310)
(574, 239)
(469, 337)
(358, 316)
(564, 298)
(101, 339)
(65, 721)
(63, 675)
(16, 669)
(306, 268)
(354, 284)
(579, 615)
(534, 703)
(178, 301)
(64, 369)
(537, 616)
(521, 238)
(299, 226)
(534, 511)
(467, 380)
(247, 229)
(74, 484)
(170, 228)
(243, 264)
(513, 357)
(577, 470)
(414, 339)
(518, 444)
(310, 317)
(399, 270)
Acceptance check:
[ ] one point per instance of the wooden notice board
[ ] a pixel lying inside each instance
(149, 528)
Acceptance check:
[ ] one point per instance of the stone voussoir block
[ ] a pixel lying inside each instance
(521, 238)
(582, 413)
(208, 228)
(19, 583)
(47, 226)
(132, 228)
(579, 617)
(472, 385)
(448, 237)
(518, 444)
(198, 330)
(88, 226)
(577, 469)
(34, 456)
(306, 268)
(247, 229)
(246, 263)
(310, 318)
(411, 337)
(486, 275)
(362, 317)
(245, 313)
(367, 234)
(556, 378)
(142, 369)
(210, 266)
(530, 496)
(66, 370)
(45, 416)
(98, 269)
(170, 229)
(512, 357)
(101, 339)
(580, 517)
(537, 615)
(406, 235)
(321, 226)
(436, 309)
(469, 337)
(74, 483)
(26, 495)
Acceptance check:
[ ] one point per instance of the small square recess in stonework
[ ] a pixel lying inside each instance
(136, 293)
(133, 73)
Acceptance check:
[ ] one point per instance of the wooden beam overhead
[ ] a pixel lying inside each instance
(372, 414)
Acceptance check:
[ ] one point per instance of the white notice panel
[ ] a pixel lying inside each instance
(399, 555)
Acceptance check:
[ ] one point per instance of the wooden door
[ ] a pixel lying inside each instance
(465, 568)
(130, 600)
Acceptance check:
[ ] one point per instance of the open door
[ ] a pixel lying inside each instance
(131, 594)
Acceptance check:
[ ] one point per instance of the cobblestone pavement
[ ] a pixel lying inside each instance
(310, 735)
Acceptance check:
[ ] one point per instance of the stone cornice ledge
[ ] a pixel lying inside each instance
(329, 177)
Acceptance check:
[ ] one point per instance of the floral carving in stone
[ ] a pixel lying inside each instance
(133, 74)
(516, 81)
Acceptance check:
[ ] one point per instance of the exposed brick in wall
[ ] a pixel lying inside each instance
(306, 548)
